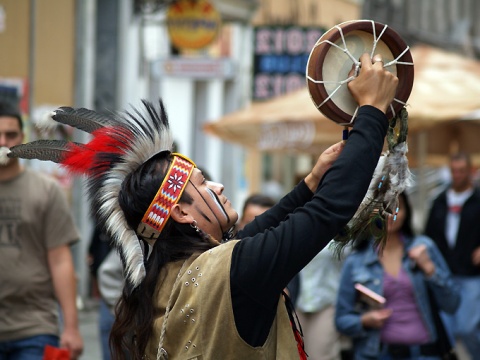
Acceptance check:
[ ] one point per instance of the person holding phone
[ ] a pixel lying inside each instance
(403, 273)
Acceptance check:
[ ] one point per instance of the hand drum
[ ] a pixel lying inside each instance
(338, 50)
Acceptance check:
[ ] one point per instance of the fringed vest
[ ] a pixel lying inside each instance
(201, 323)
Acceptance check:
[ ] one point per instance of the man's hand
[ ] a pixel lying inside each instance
(72, 340)
(374, 85)
(324, 162)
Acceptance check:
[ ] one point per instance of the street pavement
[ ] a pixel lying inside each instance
(88, 317)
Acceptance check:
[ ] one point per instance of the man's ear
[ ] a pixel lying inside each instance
(180, 215)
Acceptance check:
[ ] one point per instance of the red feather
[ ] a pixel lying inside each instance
(80, 159)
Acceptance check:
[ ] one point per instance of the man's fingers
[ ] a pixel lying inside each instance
(377, 59)
(365, 61)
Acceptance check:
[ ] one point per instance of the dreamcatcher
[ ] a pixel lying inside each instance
(328, 73)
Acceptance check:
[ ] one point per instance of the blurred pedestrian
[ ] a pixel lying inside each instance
(111, 280)
(100, 247)
(454, 225)
(253, 206)
(403, 273)
(36, 266)
(319, 282)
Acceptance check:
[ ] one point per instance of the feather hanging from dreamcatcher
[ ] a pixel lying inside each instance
(391, 177)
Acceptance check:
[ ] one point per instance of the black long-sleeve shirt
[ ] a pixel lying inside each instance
(281, 241)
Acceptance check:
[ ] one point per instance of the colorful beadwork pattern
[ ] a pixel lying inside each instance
(167, 195)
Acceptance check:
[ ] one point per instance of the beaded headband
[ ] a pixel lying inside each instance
(168, 194)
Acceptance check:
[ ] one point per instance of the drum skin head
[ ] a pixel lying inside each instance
(339, 50)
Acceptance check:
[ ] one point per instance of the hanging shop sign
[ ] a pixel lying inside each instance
(192, 24)
(280, 58)
(286, 135)
(193, 68)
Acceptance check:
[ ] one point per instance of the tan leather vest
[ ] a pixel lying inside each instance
(201, 324)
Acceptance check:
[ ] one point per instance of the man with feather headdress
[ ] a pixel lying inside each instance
(191, 292)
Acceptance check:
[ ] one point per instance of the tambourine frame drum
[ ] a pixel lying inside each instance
(329, 66)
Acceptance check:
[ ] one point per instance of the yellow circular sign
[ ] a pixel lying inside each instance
(192, 24)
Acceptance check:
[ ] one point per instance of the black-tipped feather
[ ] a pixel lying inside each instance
(83, 119)
(46, 150)
(148, 127)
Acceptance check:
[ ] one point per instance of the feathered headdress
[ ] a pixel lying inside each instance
(120, 144)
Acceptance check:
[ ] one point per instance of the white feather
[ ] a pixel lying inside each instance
(46, 122)
(4, 151)
(377, 175)
(141, 150)
(134, 257)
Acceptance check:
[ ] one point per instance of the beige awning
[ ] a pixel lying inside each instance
(288, 122)
(446, 87)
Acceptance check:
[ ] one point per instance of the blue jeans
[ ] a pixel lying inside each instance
(30, 348)
(465, 323)
(106, 319)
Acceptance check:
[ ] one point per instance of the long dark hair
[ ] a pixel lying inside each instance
(406, 228)
(135, 311)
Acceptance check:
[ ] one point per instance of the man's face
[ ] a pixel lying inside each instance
(461, 175)
(10, 133)
(211, 209)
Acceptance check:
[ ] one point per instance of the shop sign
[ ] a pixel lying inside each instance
(280, 59)
(192, 24)
(194, 68)
(281, 136)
